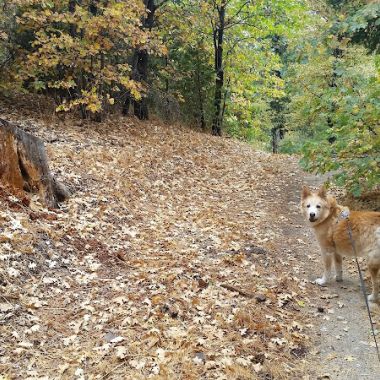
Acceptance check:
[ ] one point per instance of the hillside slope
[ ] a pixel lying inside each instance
(179, 255)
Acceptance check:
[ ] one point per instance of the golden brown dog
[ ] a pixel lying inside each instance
(324, 216)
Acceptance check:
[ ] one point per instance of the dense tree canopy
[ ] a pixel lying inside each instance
(334, 90)
(257, 70)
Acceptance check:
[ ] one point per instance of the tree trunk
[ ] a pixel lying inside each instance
(276, 137)
(278, 105)
(202, 118)
(72, 28)
(337, 54)
(75, 92)
(140, 68)
(141, 106)
(24, 165)
(127, 103)
(219, 80)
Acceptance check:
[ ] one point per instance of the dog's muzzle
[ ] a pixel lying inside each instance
(312, 217)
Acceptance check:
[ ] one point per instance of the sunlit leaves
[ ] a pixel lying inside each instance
(83, 52)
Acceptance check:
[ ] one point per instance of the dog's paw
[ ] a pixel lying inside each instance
(338, 275)
(373, 298)
(321, 281)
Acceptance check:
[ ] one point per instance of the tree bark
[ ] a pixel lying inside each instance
(141, 106)
(127, 104)
(72, 28)
(140, 63)
(219, 80)
(24, 165)
(75, 92)
(202, 118)
(337, 54)
(276, 137)
(278, 105)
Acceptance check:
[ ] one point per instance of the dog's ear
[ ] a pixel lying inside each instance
(322, 192)
(332, 202)
(305, 192)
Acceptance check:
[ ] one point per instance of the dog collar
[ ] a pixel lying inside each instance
(345, 214)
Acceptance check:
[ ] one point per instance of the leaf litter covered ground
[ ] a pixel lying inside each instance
(178, 256)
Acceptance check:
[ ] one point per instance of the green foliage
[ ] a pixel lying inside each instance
(363, 26)
(249, 61)
(187, 73)
(335, 112)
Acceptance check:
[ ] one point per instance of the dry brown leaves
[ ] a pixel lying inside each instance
(135, 276)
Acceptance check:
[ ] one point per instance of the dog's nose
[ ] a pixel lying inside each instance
(312, 214)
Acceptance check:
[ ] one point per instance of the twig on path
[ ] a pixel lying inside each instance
(113, 370)
(234, 289)
(8, 297)
(121, 364)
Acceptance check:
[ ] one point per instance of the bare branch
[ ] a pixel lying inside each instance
(238, 12)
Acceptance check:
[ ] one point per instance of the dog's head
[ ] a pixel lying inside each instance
(316, 206)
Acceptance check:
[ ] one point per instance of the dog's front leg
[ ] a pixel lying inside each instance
(338, 267)
(327, 258)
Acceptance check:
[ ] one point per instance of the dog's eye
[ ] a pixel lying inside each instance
(308, 206)
(318, 206)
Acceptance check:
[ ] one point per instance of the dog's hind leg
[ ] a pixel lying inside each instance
(327, 258)
(338, 267)
(373, 270)
(374, 266)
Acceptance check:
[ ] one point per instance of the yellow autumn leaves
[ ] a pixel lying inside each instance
(82, 53)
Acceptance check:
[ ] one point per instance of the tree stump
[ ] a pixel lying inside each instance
(24, 165)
